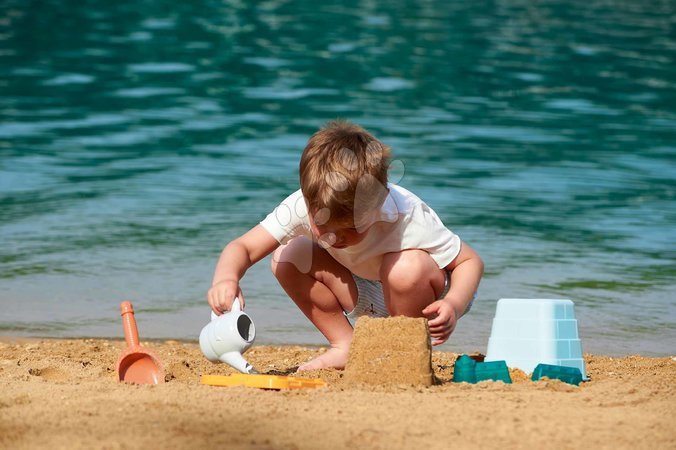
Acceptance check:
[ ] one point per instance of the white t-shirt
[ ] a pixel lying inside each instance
(403, 222)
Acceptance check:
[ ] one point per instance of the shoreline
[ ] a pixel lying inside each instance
(160, 340)
(64, 393)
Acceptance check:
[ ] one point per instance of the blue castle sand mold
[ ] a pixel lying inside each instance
(570, 375)
(527, 332)
(469, 371)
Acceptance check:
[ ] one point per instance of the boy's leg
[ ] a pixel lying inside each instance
(411, 281)
(322, 288)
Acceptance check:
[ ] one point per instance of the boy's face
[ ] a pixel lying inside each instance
(336, 234)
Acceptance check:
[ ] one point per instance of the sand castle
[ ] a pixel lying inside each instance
(394, 350)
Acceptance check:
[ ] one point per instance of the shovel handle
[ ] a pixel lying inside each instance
(129, 324)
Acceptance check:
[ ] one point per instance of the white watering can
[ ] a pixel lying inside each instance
(227, 336)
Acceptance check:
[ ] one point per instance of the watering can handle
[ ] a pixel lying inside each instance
(236, 306)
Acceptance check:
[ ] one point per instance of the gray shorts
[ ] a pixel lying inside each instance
(371, 300)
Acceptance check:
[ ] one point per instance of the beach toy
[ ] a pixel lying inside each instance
(527, 332)
(469, 371)
(493, 370)
(262, 381)
(227, 336)
(570, 375)
(464, 370)
(136, 364)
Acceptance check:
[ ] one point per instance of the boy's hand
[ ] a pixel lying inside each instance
(222, 295)
(442, 319)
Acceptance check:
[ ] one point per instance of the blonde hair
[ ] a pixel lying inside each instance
(343, 171)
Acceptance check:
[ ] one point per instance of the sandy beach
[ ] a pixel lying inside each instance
(64, 394)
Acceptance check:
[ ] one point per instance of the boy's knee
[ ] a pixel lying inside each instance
(404, 271)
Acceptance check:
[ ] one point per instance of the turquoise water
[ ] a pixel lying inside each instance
(138, 138)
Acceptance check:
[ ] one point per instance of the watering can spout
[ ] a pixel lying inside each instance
(236, 360)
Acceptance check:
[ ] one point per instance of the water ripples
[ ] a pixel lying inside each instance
(137, 135)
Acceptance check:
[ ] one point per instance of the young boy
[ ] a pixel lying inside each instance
(348, 243)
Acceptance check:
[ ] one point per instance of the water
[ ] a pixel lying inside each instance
(138, 138)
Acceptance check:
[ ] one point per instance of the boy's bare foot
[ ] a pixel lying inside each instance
(333, 358)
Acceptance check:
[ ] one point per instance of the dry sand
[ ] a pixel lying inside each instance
(64, 394)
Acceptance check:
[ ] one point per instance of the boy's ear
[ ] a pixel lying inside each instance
(321, 217)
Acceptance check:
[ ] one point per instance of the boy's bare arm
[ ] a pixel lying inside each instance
(235, 260)
(466, 271)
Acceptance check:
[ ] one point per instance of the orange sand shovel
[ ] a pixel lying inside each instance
(136, 364)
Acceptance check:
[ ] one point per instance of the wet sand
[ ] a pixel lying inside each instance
(64, 394)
